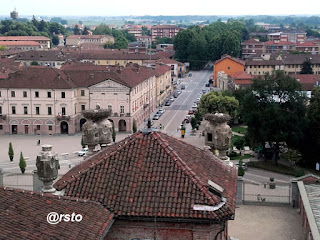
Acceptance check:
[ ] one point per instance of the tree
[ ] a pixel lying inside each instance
(193, 122)
(22, 163)
(240, 168)
(85, 31)
(239, 144)
(11, 152)
(55, 40)
(76, 30)
(108, 45)
(274, 111)
(34, 63)
(310, 147)
(216, 102)
(82, 142)
(306, 67)
(102, 29)
(120, 43)
(3, 48)
(134, 126)
(145, 31)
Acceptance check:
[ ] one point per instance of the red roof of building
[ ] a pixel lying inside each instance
(87, 36)
(154, 175)
(252, 41)
(231, 58)
(24, 38)
(243, 82)
(23, 215)
(308, 81)
(272, 43)
(306, 44)
(19, 43)
(241, 76)
(165, 26)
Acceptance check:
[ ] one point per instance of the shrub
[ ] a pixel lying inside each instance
(10, 152)
(22, 163)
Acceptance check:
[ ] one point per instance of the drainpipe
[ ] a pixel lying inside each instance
(223, 228)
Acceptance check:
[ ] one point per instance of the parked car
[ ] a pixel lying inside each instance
(204, 91)
(171, 99)
(156, 117)
(178, 91)
(161, 111)
(190, 74)
(244, 166)
(187, 119)
(168, 103)
(207, 85)
(194, 105)
(176, 94)
(190, 112)
(183, 87)
(83, 152)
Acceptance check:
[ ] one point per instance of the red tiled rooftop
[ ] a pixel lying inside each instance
(148, 175)
(87, 36)
(231, 58)
(271, 43)
(19, 43)
(241, 75)
(23, 215)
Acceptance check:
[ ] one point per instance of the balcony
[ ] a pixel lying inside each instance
(63, 117)
(3, 116)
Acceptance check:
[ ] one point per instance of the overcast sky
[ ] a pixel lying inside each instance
(161, 7)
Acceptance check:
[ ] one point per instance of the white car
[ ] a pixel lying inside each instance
(83, 152)
(161, 111)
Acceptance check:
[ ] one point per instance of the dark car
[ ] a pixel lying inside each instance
(168, 103)
(183, 87)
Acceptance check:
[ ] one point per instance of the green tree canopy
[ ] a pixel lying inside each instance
(306, 67)
(215, 102)
(76, 30)
(274, 111)
(55, 40)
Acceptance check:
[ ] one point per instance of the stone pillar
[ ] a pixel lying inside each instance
(295, 194)
(37, 184)
(239, 199)
(1, 177)
(47, 168)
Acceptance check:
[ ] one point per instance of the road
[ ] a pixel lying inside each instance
(175, 113)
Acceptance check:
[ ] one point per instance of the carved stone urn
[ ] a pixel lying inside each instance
(47, 164)
(97, 130)
(218, 134)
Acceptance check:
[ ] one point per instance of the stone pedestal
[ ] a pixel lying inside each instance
(218, 134)
(47, 168)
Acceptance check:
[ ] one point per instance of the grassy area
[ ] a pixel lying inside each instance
(239, 129)
(234, 138)
(240, 157)
(280, 168)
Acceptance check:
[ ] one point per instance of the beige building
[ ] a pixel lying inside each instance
(43, 41)
(76, 40)
(135, 31)
(41, 100)
(21, 45)
(162, 31)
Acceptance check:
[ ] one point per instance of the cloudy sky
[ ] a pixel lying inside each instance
(162, 7)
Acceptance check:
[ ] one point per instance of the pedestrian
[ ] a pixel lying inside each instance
(38, 142)
(160, 126)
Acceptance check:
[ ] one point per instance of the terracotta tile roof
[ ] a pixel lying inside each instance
(165, 54)
(169, 61)
(231, 58)
(24, 38)
(161, 69)
(23, 215)
(38, 77)
(154, 175)
(51, 55)
(252, 41)
(308, 81)
(241, 76)
(243, 82)
(300, 58)
(87, 36)
(272, 43)
(263, 62)
(306, 44)
(19, 43)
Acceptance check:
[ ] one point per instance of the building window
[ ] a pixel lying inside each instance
(121, 109)
(49, 94)
(82, 93)
(0, 109)
(49, 111)
(63, 111)
(36, 94)
(25, 110)
(1, 127)
(50, 128)
(25, 94)
(38, 127)
(13, 109)
(37, 110)
(0, 93)
(110, 107)
(13, 94)
(228, 68)
(83, 107)
(63, 95)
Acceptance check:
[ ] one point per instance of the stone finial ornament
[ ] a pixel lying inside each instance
(218, 134)
(97, 129)
(47, 165)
